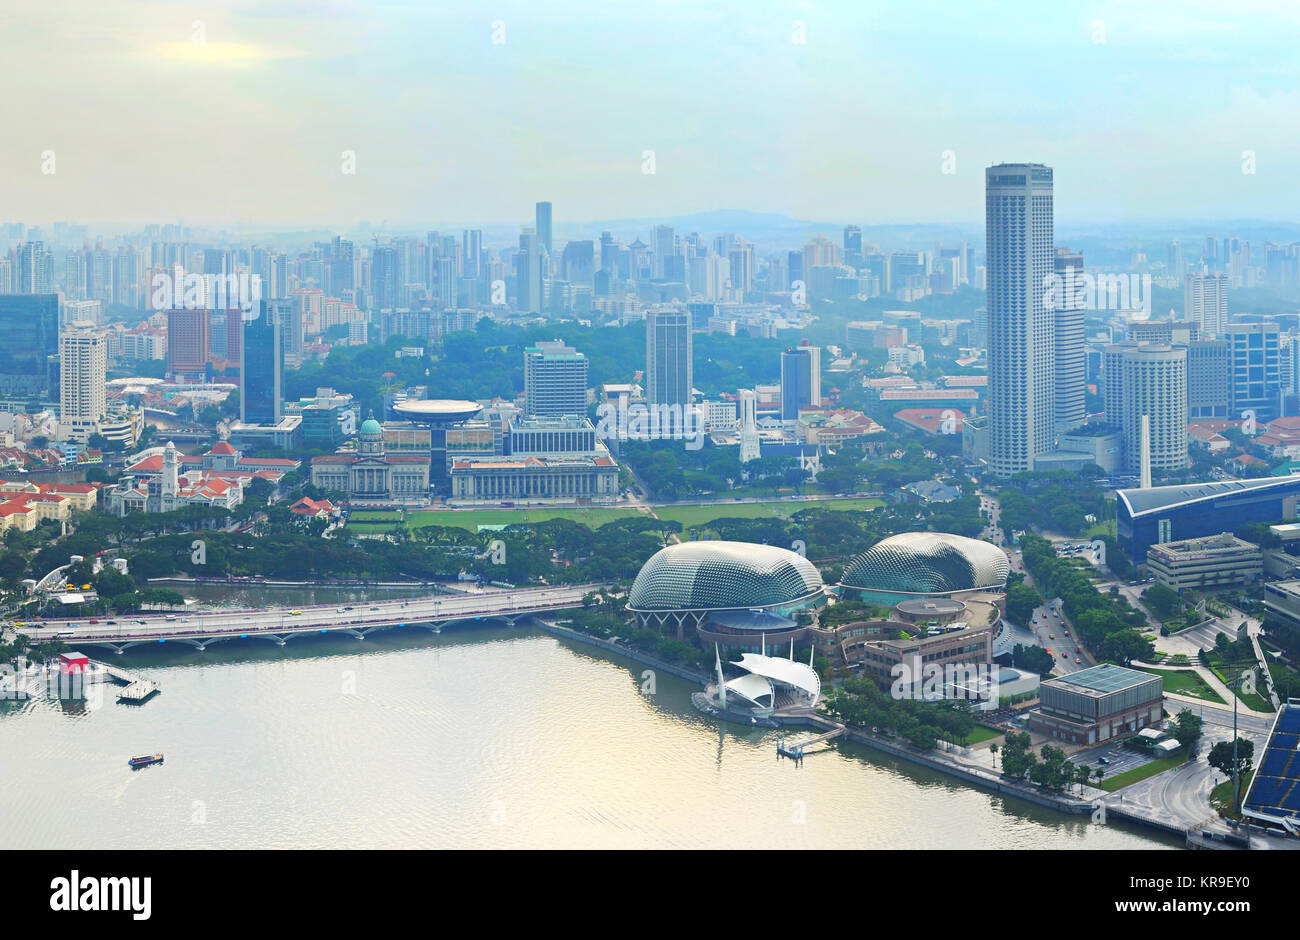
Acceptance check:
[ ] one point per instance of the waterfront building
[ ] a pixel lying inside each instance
(740, 595)
(924, 564)
(1097, 704)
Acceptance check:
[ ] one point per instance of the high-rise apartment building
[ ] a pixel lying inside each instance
(1022, 327)
(83, 362)
(1205, 302)
(555, 380)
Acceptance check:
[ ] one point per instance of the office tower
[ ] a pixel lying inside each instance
(1022, 341)
(1291, 360)
(555, 380)
(1209, 379)
(35, 274)
(1174, 260)
(529, 274)
(261, 375)
(472, 246)
(578, 263)
(7, 277)
(448, 292)
(608, 253)
(1154, 387)
(800, 380)
(1205, 302)
(749, 449)
(341, 267)
(188, 342)
(83, 362)
(383, 278)
(29, 330)
(741, 259)
(852, 245)
(1071, 380)
(544, 227)
(1255, 370)
(234, 337)
(668, 363)
(292, 319)
(664, 245)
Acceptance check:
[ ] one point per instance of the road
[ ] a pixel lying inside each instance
(326, 617)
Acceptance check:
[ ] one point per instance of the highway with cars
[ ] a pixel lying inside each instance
(356, 618)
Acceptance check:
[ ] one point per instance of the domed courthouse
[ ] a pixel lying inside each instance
(371, 474)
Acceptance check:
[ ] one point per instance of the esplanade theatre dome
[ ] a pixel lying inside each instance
(713, 575)
(922, 563)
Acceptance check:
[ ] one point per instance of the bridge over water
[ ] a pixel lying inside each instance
(282, 624)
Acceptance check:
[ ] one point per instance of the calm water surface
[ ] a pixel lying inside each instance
(487, 737)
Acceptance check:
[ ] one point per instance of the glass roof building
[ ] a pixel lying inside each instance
(921, 564)
(689, 582)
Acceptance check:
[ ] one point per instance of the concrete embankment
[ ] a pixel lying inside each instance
(676, 669)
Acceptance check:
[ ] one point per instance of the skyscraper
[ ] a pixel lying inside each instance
(1256, 363)
(529, 287)
(800, 380)
(1154, 386)
(188, 342)
(544, 225)
(261, 375)
(555, 380)
(383, 278)
(1205, 302)
(668, 363)
(1071, 377)
(83, 359)
(29, 328)
(1022, 329)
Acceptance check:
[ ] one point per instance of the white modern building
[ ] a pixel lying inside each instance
(83, 359)
(1205, 302)
(1022, 325)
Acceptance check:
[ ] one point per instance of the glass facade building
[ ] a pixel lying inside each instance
(29, 324)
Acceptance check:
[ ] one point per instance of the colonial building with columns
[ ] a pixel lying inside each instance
(371, 474)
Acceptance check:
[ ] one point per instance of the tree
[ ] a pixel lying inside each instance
(1187, 729)
(1220, 757)
(1021, 601)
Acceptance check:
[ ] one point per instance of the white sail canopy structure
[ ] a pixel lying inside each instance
(799, 676)
(753, 688)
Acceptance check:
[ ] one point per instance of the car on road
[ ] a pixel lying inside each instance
(1051, 636)
(1078, 660)
(295, 613)
(1106, 760)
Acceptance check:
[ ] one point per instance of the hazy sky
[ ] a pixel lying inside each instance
(250, 123)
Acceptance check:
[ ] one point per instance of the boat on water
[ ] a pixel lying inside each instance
(145, 761)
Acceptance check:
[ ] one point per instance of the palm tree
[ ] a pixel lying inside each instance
(1099, 773)
(993, 749)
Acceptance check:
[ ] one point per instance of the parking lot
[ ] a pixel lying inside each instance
(1121, 758)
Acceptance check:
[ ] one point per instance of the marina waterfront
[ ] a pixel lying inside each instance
(480, 737)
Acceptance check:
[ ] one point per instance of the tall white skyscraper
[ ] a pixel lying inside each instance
(1071, 374)
(83, 360)
(1154, 388)
(749, 449)
(1205, 302)
(1022, 326)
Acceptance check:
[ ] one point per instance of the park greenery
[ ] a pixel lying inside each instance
(862, 703)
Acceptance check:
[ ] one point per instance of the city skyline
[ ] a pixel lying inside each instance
(823, 111)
